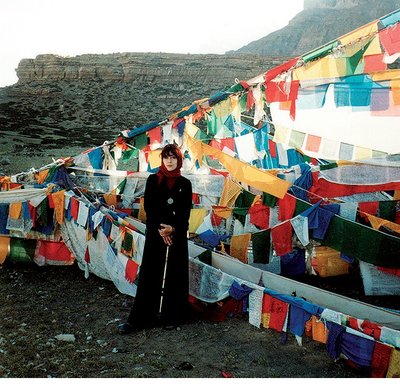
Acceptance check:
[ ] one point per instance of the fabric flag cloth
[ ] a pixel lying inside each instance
(131, 270)
(97, 219)
(286, 207)
(52, 253)
(74, 208)
(370, 207)
(239, 246)
(259, 216)
(95, 158)
(300, 226)
(205, 225)
(15, 210)
(246, 148)
(279, 311)
(319, 331)
(197, 216)
(390, 336)
(335, 335)
(255, 307)
(230, 192)
(210, 237)
(59, 201)
(312, 214)
(394, 365)
(357, 349)
(348, 210)
(4, 248)
(282, 238)
(371, 329)
(325, 214)
(293, 263)
(297, 320)
(82, 214)
(380, 360)
(261, 246)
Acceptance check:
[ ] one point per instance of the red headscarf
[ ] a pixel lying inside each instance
(170, 176)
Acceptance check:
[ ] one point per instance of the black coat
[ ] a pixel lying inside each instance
(172, 207)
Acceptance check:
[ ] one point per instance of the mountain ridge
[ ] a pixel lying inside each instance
(320, 22)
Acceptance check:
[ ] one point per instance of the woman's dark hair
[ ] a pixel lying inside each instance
(171, 149)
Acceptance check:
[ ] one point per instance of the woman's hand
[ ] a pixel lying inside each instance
(166, 232)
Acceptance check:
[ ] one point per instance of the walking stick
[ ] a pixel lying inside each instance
(163, 281)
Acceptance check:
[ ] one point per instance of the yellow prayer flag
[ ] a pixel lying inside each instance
(236, 112)
(260, 179)
(327, 67)
(197, 216)
(110, 199)
(194, 148)
(142, 213)
(393, 74)
(282, 134)
(15, 210)
(369, 29)
(223, 108)
(394, 365)
(224, 212)
(42, 176)
(59, 200)
(362, 153)
(191, 129)
(239, 246)
(154, 158)
(4, 248)
(230, 192)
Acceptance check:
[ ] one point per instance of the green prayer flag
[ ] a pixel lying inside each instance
(269, 200)
(21, 250)
(323, 167)
(387, 210)
(245, 199)
(261, 246)
(320, 52)
(121, 186)
(129, 154)
(240, 214)
(141, 140)
(359, 241)
(127, 242)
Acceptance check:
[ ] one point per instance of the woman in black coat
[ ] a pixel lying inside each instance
(167, 202)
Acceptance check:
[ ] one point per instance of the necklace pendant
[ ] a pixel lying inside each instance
(170, 200)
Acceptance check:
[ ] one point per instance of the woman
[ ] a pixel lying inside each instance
(167, 202)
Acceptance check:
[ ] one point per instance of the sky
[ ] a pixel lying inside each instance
(75, 27)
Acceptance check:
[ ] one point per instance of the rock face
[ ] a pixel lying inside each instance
(320, 22)
(220, 70)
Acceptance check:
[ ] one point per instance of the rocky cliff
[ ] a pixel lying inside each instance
(321, 21)
(165, 68)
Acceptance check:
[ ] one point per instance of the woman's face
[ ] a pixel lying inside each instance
(170, 162)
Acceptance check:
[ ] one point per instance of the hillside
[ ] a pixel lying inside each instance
(320, 22)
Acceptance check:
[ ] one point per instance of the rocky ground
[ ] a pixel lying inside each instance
(43, 305)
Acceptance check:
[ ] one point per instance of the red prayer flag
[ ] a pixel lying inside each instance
(131, 270)
(282, 238)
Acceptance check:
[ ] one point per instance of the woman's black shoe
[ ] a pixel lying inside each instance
(125, 328)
